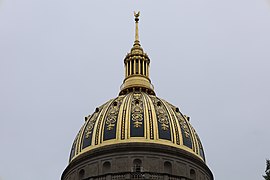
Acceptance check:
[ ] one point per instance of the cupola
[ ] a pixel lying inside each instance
(137, 65)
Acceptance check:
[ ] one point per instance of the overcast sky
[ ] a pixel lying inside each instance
(59, 59)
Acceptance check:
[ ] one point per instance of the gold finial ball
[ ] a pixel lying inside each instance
(136, 15)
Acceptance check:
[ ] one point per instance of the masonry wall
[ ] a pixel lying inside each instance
(137, 163)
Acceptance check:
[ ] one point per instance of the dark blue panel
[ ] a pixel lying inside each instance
(87, 140)
(163, 120)
(186, 139)
(110, 123)
(72, 153)
(164, 134)
(109, 133)
(202, 154)
(137, 127)
(137, 116)
(185, 131)
(88, 131)
(200, 147)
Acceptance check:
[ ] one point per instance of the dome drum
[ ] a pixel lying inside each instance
(137, 161)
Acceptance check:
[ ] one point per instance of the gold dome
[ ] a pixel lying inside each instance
(137, 114)
(137, 117)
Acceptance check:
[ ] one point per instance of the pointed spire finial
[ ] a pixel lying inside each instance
(136, 15)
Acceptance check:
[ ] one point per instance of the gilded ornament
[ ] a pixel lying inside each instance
(92, 119)
(137, 110)
(162, 114)
(90, 125)
(110, 122)
(164, 122)
(183, 123)
(137, 14)
(113, 113)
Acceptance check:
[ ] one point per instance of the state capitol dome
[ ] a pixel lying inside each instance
(137, 116)
(137, 122)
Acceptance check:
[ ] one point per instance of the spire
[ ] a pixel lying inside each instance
(137, 67)
(136, 45)
(137, 41)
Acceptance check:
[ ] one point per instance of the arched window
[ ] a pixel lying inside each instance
(81, 174)
(106, 167)
(192, 174)
(167, 167)
(137, 165)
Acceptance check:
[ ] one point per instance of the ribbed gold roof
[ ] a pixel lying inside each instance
(137, 114)
(137, 117)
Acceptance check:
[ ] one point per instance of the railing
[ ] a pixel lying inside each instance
(136, 175)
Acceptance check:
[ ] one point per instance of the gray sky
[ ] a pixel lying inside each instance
(59, 59)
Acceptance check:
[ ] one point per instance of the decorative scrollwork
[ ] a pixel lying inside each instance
(92, 119)
(113, 114)
(90, 125)
(162, 114)
(183, 123)
(137, 110)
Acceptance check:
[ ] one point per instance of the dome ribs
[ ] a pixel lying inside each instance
(137, 117)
